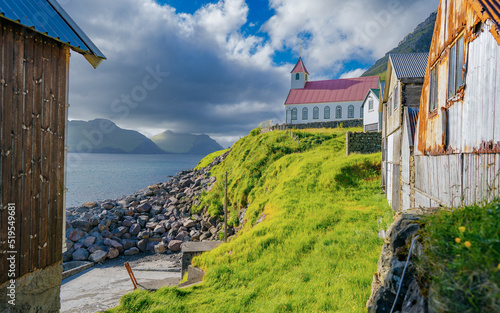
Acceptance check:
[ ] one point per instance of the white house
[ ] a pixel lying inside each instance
(370, 114)
(326, 100)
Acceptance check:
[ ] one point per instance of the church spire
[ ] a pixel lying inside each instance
(300, 75)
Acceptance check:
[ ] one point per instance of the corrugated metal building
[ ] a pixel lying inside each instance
(404, 80)
(458, 157)
(35, 38)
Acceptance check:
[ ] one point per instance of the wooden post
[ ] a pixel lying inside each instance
(225, 207)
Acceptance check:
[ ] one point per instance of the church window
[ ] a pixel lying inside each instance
(294, 114)
(338, 112)
(327, 113)
(304, 114)
(316, 113)
(350, 111)
(361, 112)
(297, 76)
(370, 104)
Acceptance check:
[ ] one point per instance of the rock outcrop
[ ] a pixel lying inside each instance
(391, 265)
(157, 219)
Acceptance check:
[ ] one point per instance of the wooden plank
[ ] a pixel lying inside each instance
(53, 179)
(4, 139)
(496, 112)
(45, 155)
(7, 157)
(28, 151)
(62, 98)
(18, 153)
(36, 159)
(455, 179)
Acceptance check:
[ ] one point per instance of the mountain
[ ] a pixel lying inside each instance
(417, 41)
(171, 142)
(103, 136)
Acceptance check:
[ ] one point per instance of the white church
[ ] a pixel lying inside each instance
(333, 100)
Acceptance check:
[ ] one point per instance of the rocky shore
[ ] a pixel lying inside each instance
(157, 219)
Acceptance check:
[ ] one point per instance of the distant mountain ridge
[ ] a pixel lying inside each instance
(171, 142)
(104, 136)
(417, 41)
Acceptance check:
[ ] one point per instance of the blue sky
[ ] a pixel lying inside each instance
(225, 65)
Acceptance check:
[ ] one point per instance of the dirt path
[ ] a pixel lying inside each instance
(101, 287)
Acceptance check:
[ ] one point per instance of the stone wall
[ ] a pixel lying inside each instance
(363, 143)
(34, 292)
(332, 124)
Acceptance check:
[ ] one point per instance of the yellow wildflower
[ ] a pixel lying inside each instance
(467, 244)
(462, 229)
(499, 266)
(458, 240)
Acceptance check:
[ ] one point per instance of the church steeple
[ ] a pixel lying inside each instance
(300, 75)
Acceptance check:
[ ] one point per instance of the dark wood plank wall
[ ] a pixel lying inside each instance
(32, 130)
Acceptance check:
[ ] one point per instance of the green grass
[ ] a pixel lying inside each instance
(460, 278)
(209, 159)
(317, 247)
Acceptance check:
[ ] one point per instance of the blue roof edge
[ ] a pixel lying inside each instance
(94, 56)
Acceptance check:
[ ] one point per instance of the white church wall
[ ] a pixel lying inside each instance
(321, 106)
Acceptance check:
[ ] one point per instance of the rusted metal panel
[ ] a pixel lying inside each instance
(453, 19)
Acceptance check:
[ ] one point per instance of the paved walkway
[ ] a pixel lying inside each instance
(101, 287)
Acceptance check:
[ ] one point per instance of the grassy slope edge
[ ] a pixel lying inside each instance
(316, 247)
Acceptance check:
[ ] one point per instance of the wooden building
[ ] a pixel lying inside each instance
(35, 39)
(403, 87)
(457, 160)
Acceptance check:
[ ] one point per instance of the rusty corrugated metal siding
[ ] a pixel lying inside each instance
(468, 125)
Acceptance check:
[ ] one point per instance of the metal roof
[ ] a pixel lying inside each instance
(409, 65)
(49, 18)
(300, 67)
(336, 90)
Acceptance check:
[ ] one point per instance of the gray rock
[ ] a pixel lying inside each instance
(82, 224)
(159, 229)
(113, 253)
(80, 254)
(128, 244)
(189, 224)
(113, 243)
(142, 220)
(175, 245)
(144, 234)
(131, 251)
(127, 223)
(134, 229)
(98, 256)
(160, 248)
(69, 244)
(75, 235)
(118, 232)
(106, 234)
(145, 207)
(142, 245)
(89, 241)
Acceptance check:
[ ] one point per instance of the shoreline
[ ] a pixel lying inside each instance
(157, 219)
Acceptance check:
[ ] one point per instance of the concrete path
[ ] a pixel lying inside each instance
(101, 287)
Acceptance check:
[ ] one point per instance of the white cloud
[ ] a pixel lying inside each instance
(221, 80)
(354, 73)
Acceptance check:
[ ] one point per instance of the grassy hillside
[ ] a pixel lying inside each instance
(103, 136)
(309, 238)
(417, 41)
(172, 142)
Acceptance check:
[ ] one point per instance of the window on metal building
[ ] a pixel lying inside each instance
(455, 67)
(433, 87)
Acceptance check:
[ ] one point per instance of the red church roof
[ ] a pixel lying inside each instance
(336, 90)
(300, 67)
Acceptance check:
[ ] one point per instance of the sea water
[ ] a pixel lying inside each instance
(94, 177)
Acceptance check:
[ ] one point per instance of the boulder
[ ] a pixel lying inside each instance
(189, 223)
(98, 256)
(142, 245)
(127, 223)
(175, 245)
(128, 244)
(145, 207)
(118, 232)
(160, 248)
(113, 253)
(89, 241)
(142, 220)
(131, 251)
(80, 255)
(134, 229)
(159, 229)
(92, 204)
(75, 235)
